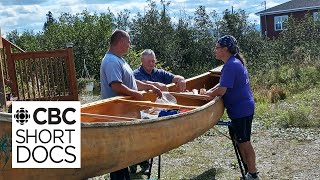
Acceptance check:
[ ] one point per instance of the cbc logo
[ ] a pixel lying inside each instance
(22, 116)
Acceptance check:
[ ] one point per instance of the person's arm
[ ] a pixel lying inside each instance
(215, 87)
(159, 85)
(144, 86)
(216, 91)
(142, 78)
(226, 81)
(120, 88)
(180, 82)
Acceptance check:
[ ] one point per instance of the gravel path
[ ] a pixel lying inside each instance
(88, 98)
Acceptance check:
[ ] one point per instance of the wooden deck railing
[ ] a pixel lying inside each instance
(42, 75)
(8, 74)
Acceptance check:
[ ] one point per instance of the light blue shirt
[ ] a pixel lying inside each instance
(115, 69)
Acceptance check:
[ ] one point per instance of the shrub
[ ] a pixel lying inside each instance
(296, 117)
(82, 82)
(275, 94)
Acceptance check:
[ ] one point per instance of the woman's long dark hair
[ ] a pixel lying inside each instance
(235, 51)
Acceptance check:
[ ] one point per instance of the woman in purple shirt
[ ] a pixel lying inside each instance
(234, 87)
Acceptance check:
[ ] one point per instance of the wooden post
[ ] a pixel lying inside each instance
(3, 101)
(1, 46)
(11, 69)
(72, 73)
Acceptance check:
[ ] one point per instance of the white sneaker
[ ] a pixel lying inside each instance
(249, 177)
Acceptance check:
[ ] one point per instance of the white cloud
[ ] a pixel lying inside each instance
(272, 4)
(66, 3)
(254, 18)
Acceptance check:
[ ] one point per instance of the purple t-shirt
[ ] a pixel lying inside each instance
(238, 98)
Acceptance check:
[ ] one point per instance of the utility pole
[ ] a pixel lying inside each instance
(164, 10)
(231, 9)
(265, 19)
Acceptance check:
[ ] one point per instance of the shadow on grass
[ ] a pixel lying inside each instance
(207, 175)
(137, 176)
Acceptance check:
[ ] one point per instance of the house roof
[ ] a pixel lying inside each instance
(292, 6)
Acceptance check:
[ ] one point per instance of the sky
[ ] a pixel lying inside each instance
(22, 15)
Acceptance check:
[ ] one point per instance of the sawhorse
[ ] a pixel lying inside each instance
(159, 167)
(243, 169)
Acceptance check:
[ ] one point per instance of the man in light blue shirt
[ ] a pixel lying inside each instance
(117, 79)
(115, 70)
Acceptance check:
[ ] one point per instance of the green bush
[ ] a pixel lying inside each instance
(290, 79)
(297, 117)
(82, 83)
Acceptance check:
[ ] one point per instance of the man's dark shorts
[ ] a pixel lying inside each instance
(242, 128)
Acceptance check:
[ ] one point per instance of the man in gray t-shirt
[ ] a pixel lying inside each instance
(117, 79)
(115, 70)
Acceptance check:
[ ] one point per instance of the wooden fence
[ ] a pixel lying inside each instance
(42, 75)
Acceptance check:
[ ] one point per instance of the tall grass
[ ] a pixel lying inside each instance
(285, 76)
(298, 110)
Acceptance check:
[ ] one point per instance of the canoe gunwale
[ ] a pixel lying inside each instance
(5, 117)
(146, 121)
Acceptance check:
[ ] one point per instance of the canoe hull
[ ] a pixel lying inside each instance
(106, 147)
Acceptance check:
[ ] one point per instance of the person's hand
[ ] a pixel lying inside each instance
(156, 90)
(206, 93)
(209, 98)
(137, 95)
(202, 91)
(209, 93)
(181, 85)
(161, 86)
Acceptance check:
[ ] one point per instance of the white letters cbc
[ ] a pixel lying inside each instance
(46, 134)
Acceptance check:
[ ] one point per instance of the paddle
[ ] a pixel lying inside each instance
(88, 117)
(192, 96)
(159, 105)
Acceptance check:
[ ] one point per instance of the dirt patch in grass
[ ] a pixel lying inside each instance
(281, 154)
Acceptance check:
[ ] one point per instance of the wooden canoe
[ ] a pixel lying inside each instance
(113, 136)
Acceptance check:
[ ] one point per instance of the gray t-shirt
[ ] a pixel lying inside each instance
(115, 69)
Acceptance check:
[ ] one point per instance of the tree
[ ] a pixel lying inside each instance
(202, 21)
(13, 37)
(154, 30)
(28, 40)
(50, 20)
(203, 36)
(89, 33)
(122, 21)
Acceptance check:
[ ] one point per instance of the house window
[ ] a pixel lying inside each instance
(316, 16)
(279, 22)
